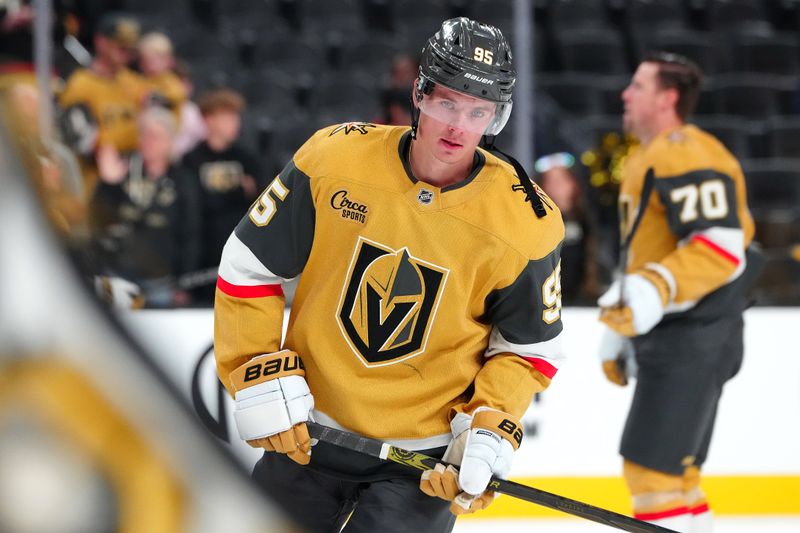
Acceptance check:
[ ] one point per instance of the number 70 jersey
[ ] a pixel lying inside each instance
(696, 224)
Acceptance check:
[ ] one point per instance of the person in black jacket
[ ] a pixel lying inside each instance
(228, 175)
(146, 214)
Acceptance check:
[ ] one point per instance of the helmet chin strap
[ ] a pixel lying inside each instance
(414, 121)
(537, 203)
(422, 87)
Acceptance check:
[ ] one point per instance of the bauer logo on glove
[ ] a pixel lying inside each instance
(270, 367)
(512, 429)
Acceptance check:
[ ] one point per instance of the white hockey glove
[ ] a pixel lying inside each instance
(273, 404)
(119, 293)
(483, 446)
(617, 357)
(645, 295)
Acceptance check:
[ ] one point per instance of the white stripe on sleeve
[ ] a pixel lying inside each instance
(551, 351)
(240, 266)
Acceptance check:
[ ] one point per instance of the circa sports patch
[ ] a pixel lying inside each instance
(349, 207)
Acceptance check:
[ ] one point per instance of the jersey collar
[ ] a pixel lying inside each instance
(404, 148)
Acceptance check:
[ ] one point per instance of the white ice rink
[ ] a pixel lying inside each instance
(721, 525)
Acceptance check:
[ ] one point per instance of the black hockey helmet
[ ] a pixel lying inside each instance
(471, 58)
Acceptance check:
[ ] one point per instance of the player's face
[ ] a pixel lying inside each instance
(451, 124)
(642, 99)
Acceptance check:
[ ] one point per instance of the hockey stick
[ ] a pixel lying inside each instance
(382, 450)
(647, 188)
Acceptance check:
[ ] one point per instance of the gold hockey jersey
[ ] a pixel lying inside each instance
(696, 224)
(170, 87)
(113, 102)
(415, 302)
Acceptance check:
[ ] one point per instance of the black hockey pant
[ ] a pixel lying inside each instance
(323, 503)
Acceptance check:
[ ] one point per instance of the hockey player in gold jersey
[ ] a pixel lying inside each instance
(675, 318)
(427, 314)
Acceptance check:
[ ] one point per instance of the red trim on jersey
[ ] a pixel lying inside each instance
(677, 511)
(700, 509)
(545, 368)
(18, 68)
(248, 291)
(714, 246)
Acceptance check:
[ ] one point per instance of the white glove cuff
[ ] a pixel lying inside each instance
(460, 423)
(459, 426)
(642, 296)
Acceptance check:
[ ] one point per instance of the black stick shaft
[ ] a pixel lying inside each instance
(381, 450)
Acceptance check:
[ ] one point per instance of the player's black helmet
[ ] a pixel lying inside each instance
(471, 58)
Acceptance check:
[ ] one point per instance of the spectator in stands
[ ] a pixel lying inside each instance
(395, 97)
(403, 71)
(191, 128)
(156, 62)
(229, 177)
(579, 279)
(101, 103)
(396, 108)
(146, 213)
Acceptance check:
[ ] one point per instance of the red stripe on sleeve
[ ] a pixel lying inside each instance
(721, 251)
(677, 511)
(700, 509)
(248, 291)
(545, 368)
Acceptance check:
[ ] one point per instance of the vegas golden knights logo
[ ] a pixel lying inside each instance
(388, 303)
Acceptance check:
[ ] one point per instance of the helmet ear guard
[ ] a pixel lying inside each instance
(422, 87)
